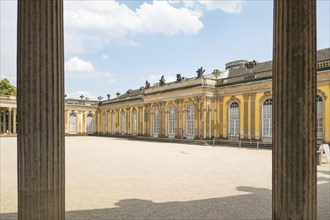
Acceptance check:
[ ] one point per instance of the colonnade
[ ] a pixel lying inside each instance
(40, 70)
(8, 120)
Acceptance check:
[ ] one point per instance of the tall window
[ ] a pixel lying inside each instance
(73, 123)
(267, 118)
(90, 123)
(156, 120)
(190, 120)
(134, 121)
(113, 122)
(171, 113)
(234, 119)
(122, 122)
(319, 117)
(104, 122)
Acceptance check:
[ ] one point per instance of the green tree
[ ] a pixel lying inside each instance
(6, 88)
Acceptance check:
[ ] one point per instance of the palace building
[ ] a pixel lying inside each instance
(232, 104)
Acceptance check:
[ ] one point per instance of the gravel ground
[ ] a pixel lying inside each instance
(108, 178)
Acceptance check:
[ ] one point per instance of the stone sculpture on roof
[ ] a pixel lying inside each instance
(200, 72)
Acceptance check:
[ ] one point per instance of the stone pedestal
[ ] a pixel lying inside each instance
(40, 106)
(294, 110)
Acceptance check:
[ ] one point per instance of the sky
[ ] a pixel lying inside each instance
(112, 46)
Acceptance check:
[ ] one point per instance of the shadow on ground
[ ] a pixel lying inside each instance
(254, 205)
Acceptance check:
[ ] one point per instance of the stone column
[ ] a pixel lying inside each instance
(1, 123)
(14, 120)
(246, 115)
(294, 110)
(204, 119)
(0, 120)
(9, 120)
(4, 122)
(40, 105)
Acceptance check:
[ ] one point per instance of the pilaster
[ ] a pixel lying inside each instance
(253, 114)
(221, 116)
(246, 115)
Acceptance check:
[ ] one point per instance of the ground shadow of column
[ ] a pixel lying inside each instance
(253, 203)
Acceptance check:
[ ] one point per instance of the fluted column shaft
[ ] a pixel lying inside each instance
(294, 110)
(40, 106)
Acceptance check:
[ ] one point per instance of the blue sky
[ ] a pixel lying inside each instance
(113, 46)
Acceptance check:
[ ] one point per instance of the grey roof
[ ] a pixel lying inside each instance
(323, 54)
(260, 67)
(132, 93)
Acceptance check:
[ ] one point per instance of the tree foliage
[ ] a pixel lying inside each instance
(6, 88)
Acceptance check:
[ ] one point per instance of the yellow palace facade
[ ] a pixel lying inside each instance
(232, 104)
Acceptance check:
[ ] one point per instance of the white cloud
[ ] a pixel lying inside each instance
(105, 57)
(89, 25)
(162, 17)
(228, 6)
(77, 94)
(154, 78)
(75, 64)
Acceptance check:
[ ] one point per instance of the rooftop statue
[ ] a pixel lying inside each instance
(216, 73)
(200, 72)
(251, 64)
(162, 80)
(147, 84)
(178, 77)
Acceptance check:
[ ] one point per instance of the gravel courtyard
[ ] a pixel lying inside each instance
(108, 178)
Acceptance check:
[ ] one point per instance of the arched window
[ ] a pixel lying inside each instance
(113, 122)
(90, 124)
(123, 122)
(73, 123)
(171, 116)
(319, 117)
(156, 120)
(190, 120)
(267, 118)
(104, 122)
(234, 120)
(134, 122)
